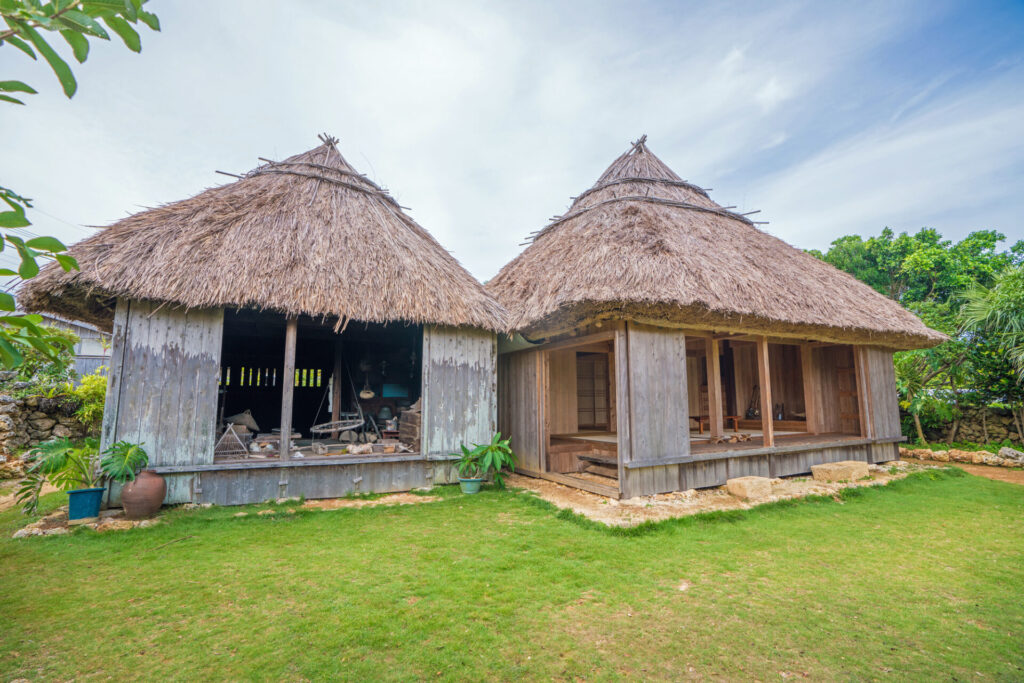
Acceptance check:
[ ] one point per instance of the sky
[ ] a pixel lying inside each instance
(486, 117)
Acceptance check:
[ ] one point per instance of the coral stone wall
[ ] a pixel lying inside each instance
(1000, 424)
(31, 420)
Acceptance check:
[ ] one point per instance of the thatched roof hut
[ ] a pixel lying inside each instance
(644, 244)
(307, 235)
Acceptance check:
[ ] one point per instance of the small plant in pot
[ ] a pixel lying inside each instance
(69, 467)
(143, 490)
(483, 460)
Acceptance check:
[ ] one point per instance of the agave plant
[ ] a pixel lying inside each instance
(66, 465)
(483, 459)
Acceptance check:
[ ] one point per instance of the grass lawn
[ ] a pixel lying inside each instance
(922, 580)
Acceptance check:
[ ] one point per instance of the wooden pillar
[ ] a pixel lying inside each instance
(765, 381)
(810, 377)
(714, 387)
(336, 384)
(288, 387)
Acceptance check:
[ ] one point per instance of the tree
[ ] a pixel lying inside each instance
(77, 22)
(929, 276)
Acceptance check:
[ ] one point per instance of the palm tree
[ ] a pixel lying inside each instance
(999, 313)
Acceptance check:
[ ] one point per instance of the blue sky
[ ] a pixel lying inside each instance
(831, 118)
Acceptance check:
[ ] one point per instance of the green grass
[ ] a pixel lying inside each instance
(922, 579)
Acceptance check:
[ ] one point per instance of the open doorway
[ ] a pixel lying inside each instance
(582, 444)
(365, 377)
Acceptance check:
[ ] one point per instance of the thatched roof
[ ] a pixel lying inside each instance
(308, 235)
(643, 244)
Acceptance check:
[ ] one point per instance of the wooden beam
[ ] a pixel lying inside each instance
(714, 388)
(764, 379)
(288, 387)
(605, 335)
(337, 383)
(810, 390)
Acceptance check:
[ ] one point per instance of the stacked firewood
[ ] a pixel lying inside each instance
(409, 423)
(730, 438)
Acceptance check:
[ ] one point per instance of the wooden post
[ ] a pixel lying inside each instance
(336, 384)
(765, 380)
(288, 386)
(810, 390)
(714, 387)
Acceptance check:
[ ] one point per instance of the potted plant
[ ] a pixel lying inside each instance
(483, 460)
(70, 468)
(143, 490)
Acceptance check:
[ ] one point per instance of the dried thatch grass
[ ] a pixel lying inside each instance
(308, 235)
(645, 245)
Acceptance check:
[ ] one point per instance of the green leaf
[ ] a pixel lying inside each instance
(127, 33)
(13, 219)
(79, 45)
(21, 45)
(7, 302)
(16, 86)
(59, 66)
(28, 268)
(80, 21)
(46, 244)
(149, 19)
(68, 263)
(6, 272)
(10, 357)
(12, 100)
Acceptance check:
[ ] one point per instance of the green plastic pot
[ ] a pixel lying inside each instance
(470, 485)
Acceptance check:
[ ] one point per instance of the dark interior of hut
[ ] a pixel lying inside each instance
(377, 369)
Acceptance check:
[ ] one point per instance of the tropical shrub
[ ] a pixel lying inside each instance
(91, 395)
(482, 460)
(123, 460)
(68, 466)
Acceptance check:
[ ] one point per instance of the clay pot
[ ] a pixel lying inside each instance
(143, 497)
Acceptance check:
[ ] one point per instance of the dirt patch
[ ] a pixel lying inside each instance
(633, 511)
(997, 473)
(393, 499)
(10, 500)
(56, 523)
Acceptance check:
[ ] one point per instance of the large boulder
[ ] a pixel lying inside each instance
(1011, 454)
(749, 488)
(844, 470)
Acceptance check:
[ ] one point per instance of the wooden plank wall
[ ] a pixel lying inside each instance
(883, 399)
(519, 406)
(658, 408)
(163, 386)
(562, 394)
(459, 387)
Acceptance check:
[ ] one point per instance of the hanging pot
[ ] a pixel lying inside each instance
(367, 393)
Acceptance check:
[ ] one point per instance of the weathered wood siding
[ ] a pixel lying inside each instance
(459, 388)
(520, 413)
(879, 374)
(162, 391)
(312, 479)
(651, 368)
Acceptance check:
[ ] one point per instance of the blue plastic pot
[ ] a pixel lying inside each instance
(470, 485)
(84, 503)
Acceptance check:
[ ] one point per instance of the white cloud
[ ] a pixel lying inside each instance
(485, 119)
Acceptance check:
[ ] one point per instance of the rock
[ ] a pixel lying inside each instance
(22, 533)
(941, 456)
(993, 460)
(749, 488)
(240, 514)
(844, 470)
(114, 525)
(266, 512)
(1012, 454)
(37, 415)
(43, 424)
(61, 431)
(6, 423)
(292, 499)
